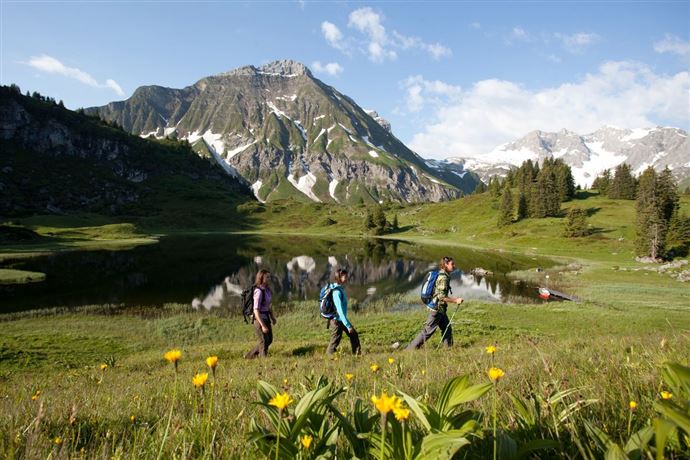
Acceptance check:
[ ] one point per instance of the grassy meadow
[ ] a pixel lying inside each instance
(93, 382)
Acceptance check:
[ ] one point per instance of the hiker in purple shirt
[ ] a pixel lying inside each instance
(263, 315)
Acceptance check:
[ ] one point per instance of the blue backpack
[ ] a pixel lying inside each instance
(427, 292)
(326, 304)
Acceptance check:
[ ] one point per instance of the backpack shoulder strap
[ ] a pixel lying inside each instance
(443, 273)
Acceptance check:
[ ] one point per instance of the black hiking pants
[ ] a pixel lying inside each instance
(337, 329)
(435, 320)
(265, 339)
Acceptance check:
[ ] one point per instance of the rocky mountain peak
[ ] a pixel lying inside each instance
(285, 68)
(385, 124)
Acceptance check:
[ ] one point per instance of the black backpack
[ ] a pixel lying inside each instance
(248, 303)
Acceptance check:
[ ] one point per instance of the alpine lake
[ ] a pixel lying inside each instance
(209, 272)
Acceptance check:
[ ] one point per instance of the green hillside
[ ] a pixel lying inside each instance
(64, 163)
(471, 221)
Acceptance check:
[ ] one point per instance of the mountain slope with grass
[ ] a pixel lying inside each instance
(287, 134)
(56, 161)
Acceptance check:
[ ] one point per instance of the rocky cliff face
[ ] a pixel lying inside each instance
(286, 133)
(54, 160)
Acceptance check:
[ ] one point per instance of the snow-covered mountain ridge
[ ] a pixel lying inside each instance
(590, 154)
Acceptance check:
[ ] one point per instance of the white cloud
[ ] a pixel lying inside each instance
(332, 68)
(375, 41)
(576, 43)
(49, 64)
(476, 25)
(421, 92)
(368, 22)
(520, 33)
(672, 44)
(334, 37)
(473, 122)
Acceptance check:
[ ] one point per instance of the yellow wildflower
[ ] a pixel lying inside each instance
(199, 380)
(306, 441)
(385, 403)
(132, 418)
(491, 349)
(401, 413)
(173, 356)
(496, 374)
(104, 366)
(391, 360)
(666, 395)
(285, 382)
(34, 397)
(633, 405)
(349, 377)
(423, 371)
(57, 440)
(281, 400)
(212, 362)
(374, 368)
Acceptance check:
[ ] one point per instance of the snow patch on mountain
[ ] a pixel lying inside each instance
(305, 184)
(256, 186)
(240, 149)
(331, 188)
(323, 130)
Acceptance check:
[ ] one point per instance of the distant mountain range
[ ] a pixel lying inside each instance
(588, 155)
(288, 135)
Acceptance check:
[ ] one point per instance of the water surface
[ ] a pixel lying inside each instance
(209, 272)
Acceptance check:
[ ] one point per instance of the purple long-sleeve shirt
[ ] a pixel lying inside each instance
(265, 306)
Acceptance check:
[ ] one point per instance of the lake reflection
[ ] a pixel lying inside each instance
(209, 272)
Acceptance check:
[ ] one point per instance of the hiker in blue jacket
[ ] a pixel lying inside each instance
(341, 323)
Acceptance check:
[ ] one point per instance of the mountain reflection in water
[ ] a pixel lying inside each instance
(210, 271)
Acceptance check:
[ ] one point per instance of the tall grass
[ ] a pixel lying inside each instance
(557, 357)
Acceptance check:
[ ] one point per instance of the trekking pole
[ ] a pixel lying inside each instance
(450, 321)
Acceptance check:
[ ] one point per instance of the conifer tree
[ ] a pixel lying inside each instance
(395, 221)
(564, 180)
(623, 185)
(368, 222)
(603, 182)
(545, 200)
(379, 220)
(667, 194)
(576, 223)
(506, 215)
(523, 205)
(494, 187)
(480, 188)
(650, 225)
(678, 236)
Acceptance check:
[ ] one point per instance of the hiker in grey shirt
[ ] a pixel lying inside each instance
(263, 315)
(438, 318)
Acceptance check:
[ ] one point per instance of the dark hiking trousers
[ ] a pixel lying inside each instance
(435, 320)
(265, 340)
(337, 329)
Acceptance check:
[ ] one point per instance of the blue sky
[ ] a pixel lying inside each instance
(454, 78)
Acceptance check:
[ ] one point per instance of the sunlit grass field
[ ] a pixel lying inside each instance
(55, 398)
